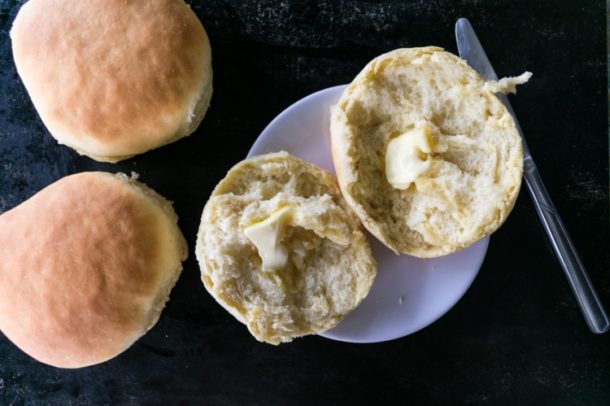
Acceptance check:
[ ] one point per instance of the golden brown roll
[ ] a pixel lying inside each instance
(86, 266)
(114, 78)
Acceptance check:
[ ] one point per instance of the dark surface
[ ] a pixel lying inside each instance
(516, 337)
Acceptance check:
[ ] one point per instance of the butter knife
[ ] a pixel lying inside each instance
(472, 52)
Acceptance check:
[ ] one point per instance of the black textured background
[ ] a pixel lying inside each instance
(517, 336)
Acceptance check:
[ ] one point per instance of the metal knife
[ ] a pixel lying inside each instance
(472, 52)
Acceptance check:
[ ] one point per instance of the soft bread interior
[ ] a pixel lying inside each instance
(330, 267)
(476, 166)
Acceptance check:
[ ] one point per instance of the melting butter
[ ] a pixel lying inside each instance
(407, 157)
(266, 236)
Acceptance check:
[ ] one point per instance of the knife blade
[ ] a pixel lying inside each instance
(471, 50)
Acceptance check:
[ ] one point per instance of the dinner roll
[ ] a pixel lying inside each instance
(86, 266)
(114, 78)
(425, 154)
(281, 251)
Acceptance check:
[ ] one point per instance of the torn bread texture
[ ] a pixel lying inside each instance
(476, 162)
(507, 85)
(330, 268)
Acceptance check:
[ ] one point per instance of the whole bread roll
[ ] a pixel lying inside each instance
(86, 266)
(327, 266)
(114, 78)
(425, 154)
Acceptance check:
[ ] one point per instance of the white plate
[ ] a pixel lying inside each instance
(409, 293)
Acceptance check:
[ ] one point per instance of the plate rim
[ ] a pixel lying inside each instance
(285, 112)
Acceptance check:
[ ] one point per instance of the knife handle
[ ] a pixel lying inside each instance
(590, 305)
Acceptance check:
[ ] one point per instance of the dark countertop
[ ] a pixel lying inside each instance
(517, 336)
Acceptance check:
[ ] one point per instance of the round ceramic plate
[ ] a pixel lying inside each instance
(409, 293)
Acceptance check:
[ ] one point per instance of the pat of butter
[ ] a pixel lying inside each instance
(406, 157)
(266, 236)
